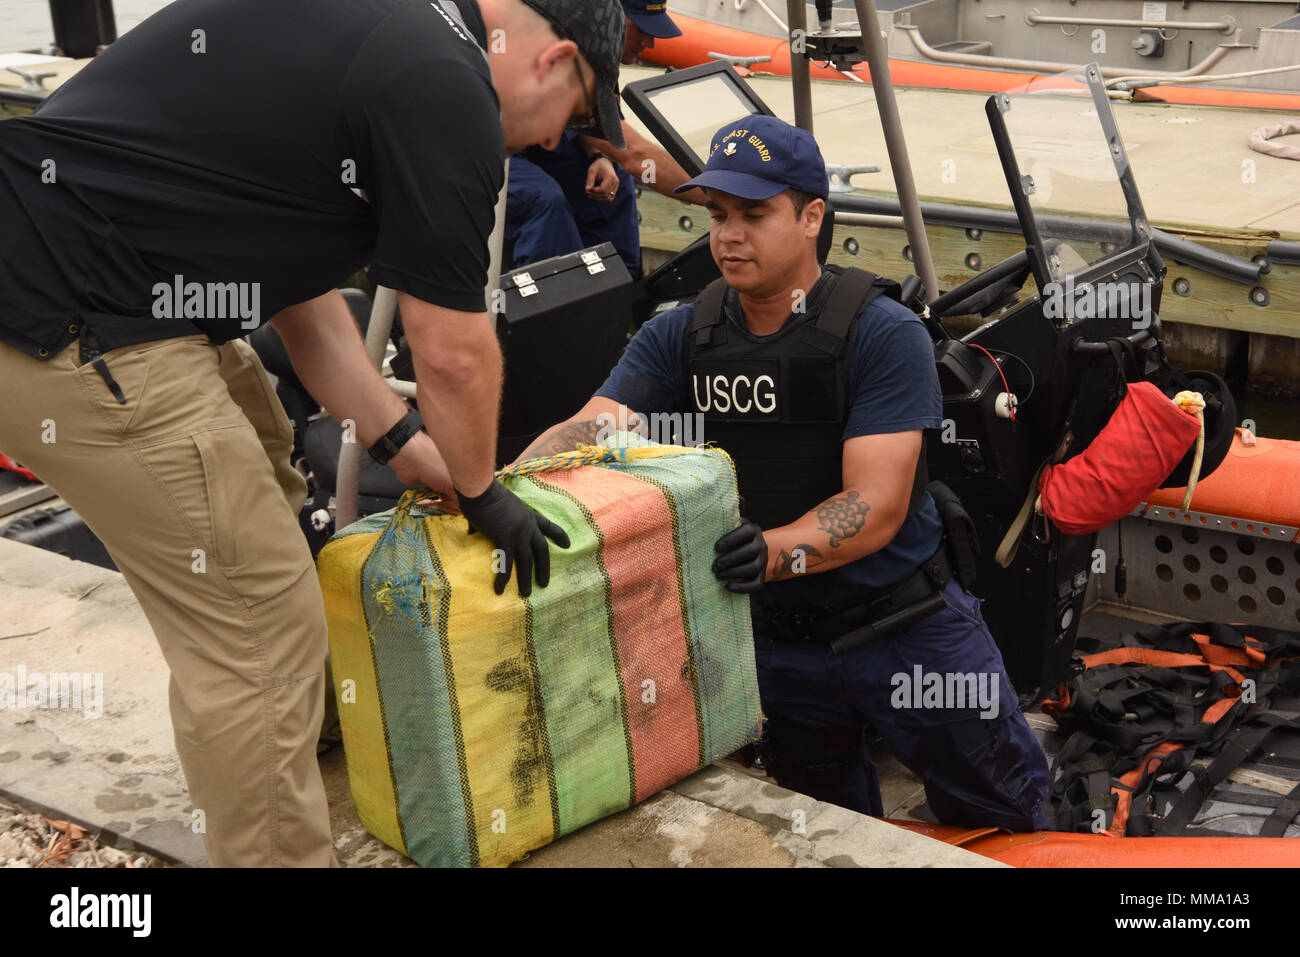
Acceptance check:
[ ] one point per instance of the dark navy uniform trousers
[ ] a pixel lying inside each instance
(539, 220)
(978, 771)
(548, 212)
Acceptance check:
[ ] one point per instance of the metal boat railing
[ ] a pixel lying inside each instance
(1223, 25)
(347, 492)
(1050, 66)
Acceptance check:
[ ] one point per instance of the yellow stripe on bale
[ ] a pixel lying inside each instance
(364, 735)
(495, 688)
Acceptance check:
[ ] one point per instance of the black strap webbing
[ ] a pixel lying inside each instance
(1282, 815)
(708, 311)
(849, 298)
(1118, 712)
(1236, 749)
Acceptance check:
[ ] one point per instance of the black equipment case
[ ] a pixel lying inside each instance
(565, 323)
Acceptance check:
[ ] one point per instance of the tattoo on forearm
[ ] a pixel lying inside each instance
(842, 517)
(796, 561)
(565, 438)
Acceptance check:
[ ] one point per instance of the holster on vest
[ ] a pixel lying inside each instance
(959, 534)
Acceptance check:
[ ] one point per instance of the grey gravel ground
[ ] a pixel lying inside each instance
(28, 839)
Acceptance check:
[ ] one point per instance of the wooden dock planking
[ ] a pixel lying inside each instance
(1188, 160)
(1212, 204)
(1211, 301)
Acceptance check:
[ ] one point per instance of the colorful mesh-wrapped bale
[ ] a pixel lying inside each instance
(478, 727)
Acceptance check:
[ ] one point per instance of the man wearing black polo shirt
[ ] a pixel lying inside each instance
(229, 162)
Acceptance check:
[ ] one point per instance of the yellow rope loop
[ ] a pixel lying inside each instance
(1188, 401)
(1194, 403)
(582, 455)
(410, 497)
(560, 461)
(592, 455)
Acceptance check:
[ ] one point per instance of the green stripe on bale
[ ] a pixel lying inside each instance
(595, 769)
(444, 615)
(418, 705)
(539, 705)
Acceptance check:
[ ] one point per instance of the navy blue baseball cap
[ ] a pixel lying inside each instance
(761, 156)
(600, 33)
(652, 17)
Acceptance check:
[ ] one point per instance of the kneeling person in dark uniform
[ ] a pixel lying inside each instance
(820, 385)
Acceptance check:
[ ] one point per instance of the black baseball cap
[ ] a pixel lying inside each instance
(652, 17)
(599, 30)
(760, 156)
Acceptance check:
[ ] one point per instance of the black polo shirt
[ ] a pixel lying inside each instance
(249, 155)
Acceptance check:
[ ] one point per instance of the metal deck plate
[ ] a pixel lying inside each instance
(1203, 572)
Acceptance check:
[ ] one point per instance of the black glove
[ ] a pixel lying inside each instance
(742, 558)
(518, 531)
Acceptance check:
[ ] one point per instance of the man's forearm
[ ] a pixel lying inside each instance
(839, 531)
(665, 175)
(651, 164)
(564, 437)
(460, 399)
(330, 360)
(585, 427)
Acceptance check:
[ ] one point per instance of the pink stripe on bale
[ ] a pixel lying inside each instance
(636, 526)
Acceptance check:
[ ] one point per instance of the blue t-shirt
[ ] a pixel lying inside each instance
(894, 388)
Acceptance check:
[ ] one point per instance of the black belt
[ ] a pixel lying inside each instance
(881, 614)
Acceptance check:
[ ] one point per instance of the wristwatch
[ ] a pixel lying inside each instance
(392, 441)
(598, 155)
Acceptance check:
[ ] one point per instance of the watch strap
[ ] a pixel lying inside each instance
(391, 442)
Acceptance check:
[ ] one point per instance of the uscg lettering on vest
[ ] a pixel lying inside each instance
(736, 390)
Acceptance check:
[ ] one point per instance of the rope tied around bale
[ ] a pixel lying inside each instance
(590, 455)
(559, 462)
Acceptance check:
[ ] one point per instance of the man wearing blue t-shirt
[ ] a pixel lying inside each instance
(820, 386)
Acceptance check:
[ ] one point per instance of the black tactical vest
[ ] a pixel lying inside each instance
(779, 406)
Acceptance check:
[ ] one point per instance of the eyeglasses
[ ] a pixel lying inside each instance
(583, 124)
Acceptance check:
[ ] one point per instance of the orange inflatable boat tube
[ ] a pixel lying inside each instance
(700, 38)
(1063, 849)
(1254, 486)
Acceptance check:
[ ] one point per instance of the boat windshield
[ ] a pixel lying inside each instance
(700, 107)
(1072, 171)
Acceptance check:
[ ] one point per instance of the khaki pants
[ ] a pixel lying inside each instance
(189, 486)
